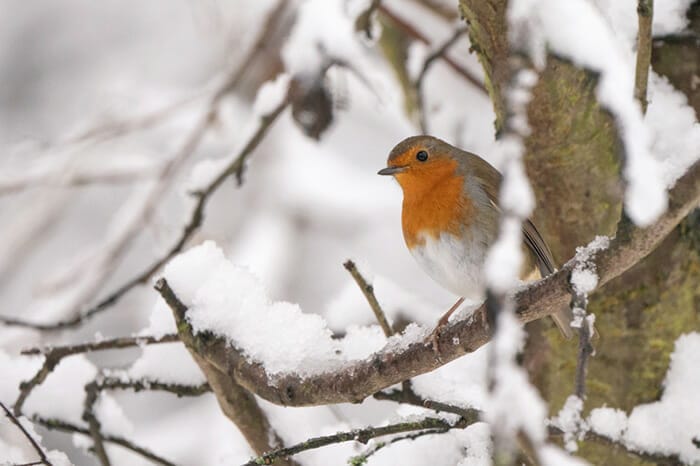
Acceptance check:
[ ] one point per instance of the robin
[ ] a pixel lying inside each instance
(450, 217)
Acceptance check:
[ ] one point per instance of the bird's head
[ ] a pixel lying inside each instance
(419, 162)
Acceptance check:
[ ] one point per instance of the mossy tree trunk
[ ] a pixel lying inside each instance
(572, 159)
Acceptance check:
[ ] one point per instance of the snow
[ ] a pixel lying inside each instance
(553, 456)
(164, 362)
(271, 94)
(229, 301)
(669, 425)
(324, 29)
(570, 422)
(349, 305)
(504, 258)
(15, 448)
(590, 42)
(513, 403)
(609, 422)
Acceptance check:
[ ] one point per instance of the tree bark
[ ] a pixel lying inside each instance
(572, 161)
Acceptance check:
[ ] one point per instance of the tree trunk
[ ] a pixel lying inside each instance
(572, 161)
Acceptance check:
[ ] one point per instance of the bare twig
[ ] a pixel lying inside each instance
(368, 291)
(363, 457)
(357, 435)
(34, 443)
(438, 53)
(645, 14)
(54, 355)
(137, 385)
(92, 393)
(416, 34)
(579, 303)
(364, 19)
(63, 426)
(102, 383)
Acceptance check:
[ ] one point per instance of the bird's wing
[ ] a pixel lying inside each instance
(490, 180)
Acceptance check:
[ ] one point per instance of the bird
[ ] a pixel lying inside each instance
(450, 217)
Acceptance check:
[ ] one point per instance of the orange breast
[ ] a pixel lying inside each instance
(433, 202)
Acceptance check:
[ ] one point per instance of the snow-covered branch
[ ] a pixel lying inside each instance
(386, 367)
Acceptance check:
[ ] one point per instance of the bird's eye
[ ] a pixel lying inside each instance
(422, 156)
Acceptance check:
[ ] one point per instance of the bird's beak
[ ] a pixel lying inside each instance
(391, 170)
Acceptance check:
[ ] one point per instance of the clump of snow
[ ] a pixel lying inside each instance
(513, 403)
(16, 449)
(14, 370)
(609, 422)
(553, 456)
(323, 29)
(669, 17)
(589, 42)
(584, 280)
(569, 420)
(504, 258)
(670, 424)
(667, 426)
(584, 277)
(476, 441)
(674, 129)
(164, 362)
(229, 301)
(271, 94)
(462, 382)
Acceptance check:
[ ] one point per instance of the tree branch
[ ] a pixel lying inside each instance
(368, 291)
(54, 355)
(357, 381)
(416, 34)
(645, 14)
(357, 435)
(34, 443)
(92, 392)
(430, 59)
(57, 424)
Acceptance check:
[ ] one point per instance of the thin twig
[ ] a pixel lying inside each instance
(416, 34)
(357, 435)
(364, 19)
(368, 291)
(363, 457)
(579, 303)
(92, 393)
(101, 383)
(645, 14)
(34, 443)
(137, 385)
(63, 426)
(438, 53)
(54, 355)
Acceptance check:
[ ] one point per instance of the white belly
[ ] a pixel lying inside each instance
(454, 263)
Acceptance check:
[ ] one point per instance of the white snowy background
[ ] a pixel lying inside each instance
(68, 205)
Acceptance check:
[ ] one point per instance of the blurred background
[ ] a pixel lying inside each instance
(97, 99)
